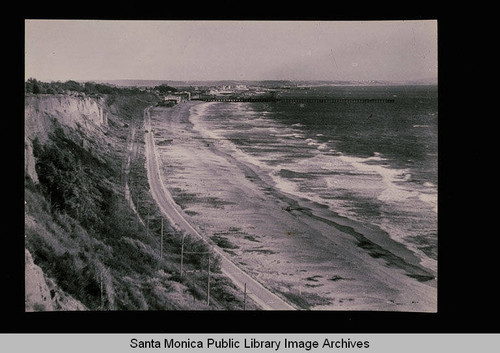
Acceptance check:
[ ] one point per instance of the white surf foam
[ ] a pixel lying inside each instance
(360, 177)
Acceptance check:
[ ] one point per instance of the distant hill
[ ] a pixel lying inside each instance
(265, 83)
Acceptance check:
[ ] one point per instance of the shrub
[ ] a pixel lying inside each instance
(66, 173)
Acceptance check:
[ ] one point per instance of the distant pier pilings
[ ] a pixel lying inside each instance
(297, 100)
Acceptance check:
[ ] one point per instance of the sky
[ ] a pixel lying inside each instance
(86, 50)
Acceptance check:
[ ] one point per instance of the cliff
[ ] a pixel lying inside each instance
(84, 246)
(43, 113)
(71, 110)
(42, 293)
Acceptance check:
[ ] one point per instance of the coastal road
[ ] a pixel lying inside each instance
(266, 299)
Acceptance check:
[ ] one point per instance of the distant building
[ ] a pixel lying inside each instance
(178, 97)
(185, 96)
(221, 92)
(172, 98)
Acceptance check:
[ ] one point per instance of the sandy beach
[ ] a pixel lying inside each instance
(300, 250)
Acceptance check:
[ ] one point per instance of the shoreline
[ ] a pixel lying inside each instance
(311, 256)
(259, 294)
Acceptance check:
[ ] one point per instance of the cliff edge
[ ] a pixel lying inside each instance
(44, 112)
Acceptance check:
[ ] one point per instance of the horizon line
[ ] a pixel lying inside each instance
(427, 80)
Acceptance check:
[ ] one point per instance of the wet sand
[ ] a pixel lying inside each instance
(300, 250)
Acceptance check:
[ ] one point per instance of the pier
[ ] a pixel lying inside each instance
(296, 100)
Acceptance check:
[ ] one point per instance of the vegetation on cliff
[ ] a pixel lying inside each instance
(82, 232)
(34, 86)
(57, 87)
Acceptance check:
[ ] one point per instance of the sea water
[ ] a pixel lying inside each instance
(372, 162)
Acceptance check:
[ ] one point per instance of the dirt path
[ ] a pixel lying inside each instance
(126, 172)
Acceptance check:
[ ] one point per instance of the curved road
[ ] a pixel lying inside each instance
(266, 299)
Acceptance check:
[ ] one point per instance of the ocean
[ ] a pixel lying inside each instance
(372, 162)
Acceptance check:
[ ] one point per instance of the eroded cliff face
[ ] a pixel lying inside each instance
(42, 293)
(42, 113)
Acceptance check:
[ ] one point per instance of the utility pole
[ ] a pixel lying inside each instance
(245, 298)
(208, 284)
(149, 218)
(208, 270)
(161, 245)
(245, 295)
(182, 253)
